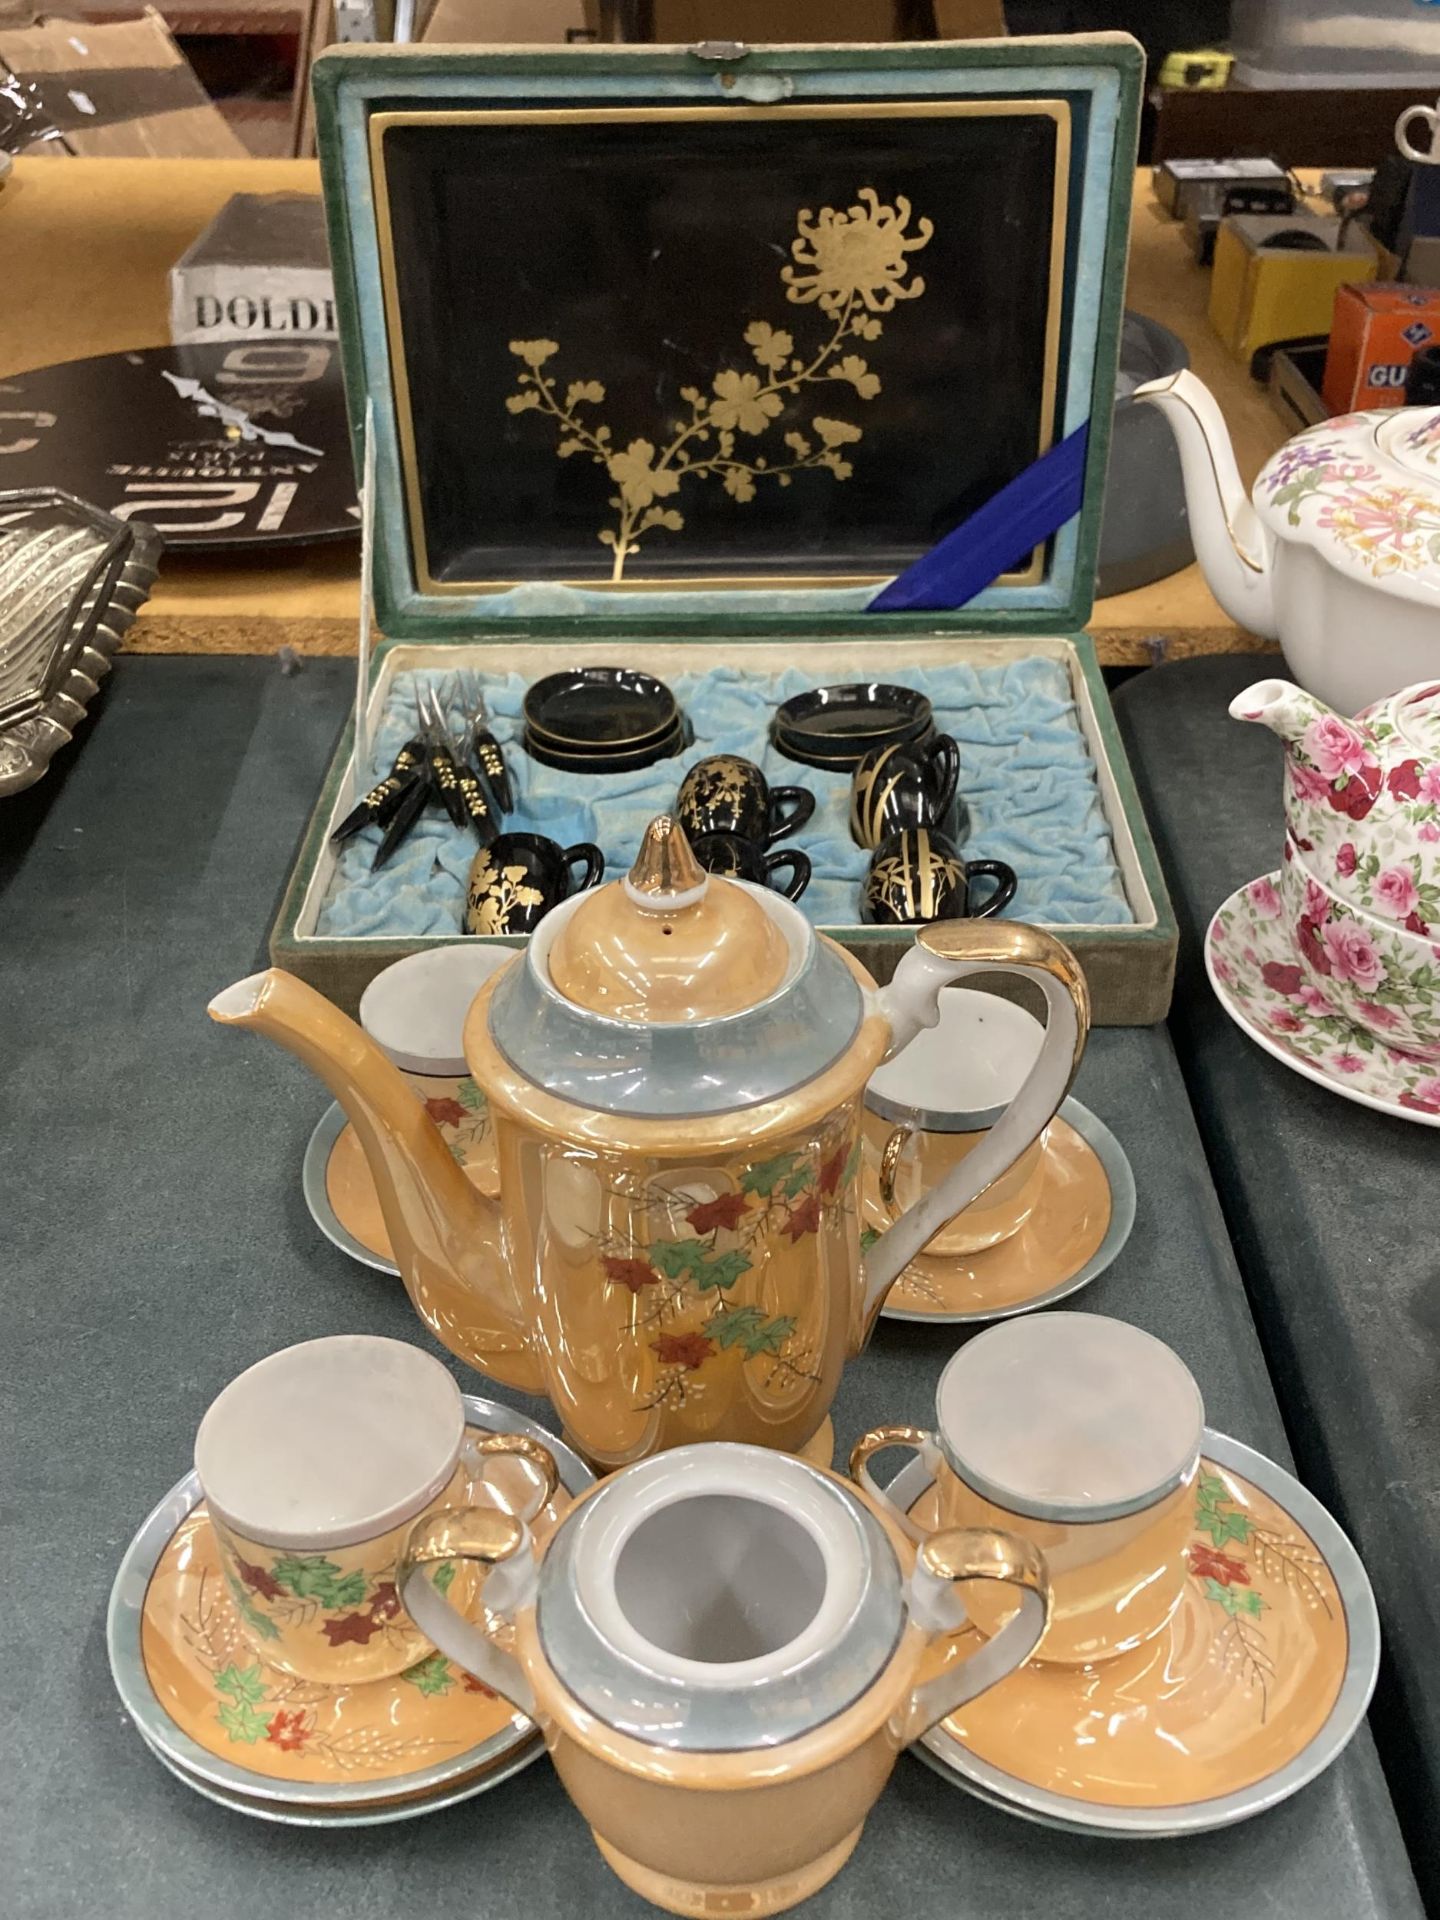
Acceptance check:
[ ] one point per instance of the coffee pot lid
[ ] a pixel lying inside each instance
(675, 994)
(668, 942)
(719, 1598)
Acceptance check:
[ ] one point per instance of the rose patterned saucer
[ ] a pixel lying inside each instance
(260, 1741)
(1255, 1684)
(1081, 1220)
(1260, 984)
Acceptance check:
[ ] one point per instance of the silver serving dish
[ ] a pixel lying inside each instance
(72, 579)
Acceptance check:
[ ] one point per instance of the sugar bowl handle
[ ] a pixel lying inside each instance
(945, 953)
(877, 1440)
(496, 1540)
(948, 1560)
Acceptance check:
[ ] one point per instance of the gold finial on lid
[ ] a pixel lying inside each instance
(668, 942)
(665, 864)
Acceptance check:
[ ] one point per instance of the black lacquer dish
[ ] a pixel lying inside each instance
(599, 710)
(835, 727)
(617, 760)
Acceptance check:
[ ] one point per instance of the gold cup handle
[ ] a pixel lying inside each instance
(891, 1156)
(948, 1560)
(944, 954)
(519, 1446)
(497, 1541)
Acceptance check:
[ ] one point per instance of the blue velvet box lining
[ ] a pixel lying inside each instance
(1027, 777)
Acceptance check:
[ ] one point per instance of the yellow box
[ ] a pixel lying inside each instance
(1260, 293)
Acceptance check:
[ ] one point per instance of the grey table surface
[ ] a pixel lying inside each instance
(157, 1243)
(1331, 1208)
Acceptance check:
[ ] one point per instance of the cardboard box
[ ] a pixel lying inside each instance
(120, 90)
(756, 22)
(259, 271)
(1375, 334)
(1260, 293)
(1177, 181)
(499, 23)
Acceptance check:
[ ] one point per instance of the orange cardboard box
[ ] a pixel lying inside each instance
(1375, 332)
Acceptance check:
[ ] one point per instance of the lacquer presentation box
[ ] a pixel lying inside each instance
(677, 355)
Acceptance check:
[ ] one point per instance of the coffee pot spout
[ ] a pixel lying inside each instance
(448, 1237)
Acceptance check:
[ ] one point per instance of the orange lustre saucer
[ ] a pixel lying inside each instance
(1081, 1220)
(341, 1194)
(1254, 1685)
(271, 1744)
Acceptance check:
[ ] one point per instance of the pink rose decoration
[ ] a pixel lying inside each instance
(1310, 946)
(1281, 978)
(1283, 1021)
(1348, 1063)
(1334, 747)
(1316, 904)
(1429, 1092)
(1375, 1015)
(1358, 795)
(1395, 892)
(1429, 832)
(1264, 898)
(1220, 967)
(1314, 999)
(1345, 859)
(1353, 955)
(1404, 780)
(1430, 784)
(1309, 786)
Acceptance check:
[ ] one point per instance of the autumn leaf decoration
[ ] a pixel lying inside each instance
(853, 266)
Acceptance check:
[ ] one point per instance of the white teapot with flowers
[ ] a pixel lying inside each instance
(1336, 553)
(1360, 885)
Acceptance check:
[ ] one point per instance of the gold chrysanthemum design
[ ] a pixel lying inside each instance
(851, 264)
(856, 255)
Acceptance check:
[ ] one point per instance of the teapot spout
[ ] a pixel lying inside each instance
(1283, 707)
(1234, 550)
(448, 1238)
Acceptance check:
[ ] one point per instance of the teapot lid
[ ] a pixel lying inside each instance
(1363, 489)
(719, 1598)
(668, 942)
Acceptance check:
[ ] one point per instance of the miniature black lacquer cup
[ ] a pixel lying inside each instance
(896, 787)
(725, 794)
(918, 875)
(519, 877)
(738, 859)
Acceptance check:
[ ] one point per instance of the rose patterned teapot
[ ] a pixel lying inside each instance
(1336, 553)
(675, 1068)
(1361, 881)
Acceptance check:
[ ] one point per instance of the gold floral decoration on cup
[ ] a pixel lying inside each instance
(853, 264)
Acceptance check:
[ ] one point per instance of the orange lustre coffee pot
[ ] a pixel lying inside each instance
(675, 1068)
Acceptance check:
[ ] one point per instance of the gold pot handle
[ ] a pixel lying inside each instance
(944, 954)
(497, 1541)
(949, 1559)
